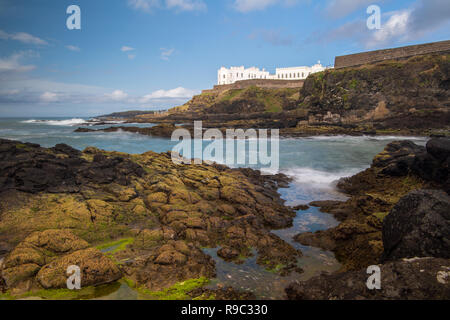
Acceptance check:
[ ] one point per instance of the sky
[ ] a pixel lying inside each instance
(156, 54)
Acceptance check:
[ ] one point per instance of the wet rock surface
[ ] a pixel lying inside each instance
(418, 226)
(164, 212)
(419, 278)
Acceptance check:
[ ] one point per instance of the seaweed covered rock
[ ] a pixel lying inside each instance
(407, 279)
(42, 259)
(418, 226)
(168, 264)
(148, 204)
(95, 268)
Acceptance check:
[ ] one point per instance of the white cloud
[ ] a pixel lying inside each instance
(22, 37)
(131, 56)
(117, 95)
(12, 64)
(126, 49)
(186, 5)
(73, 48)
(178, 5)
(397, 27)
(166, 53)
(177, 93)
(49, 97)
(144, 5)
(256, 5)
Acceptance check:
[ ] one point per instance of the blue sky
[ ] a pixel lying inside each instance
(155, 54)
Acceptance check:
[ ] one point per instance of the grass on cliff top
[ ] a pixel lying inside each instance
(178, 291)
(273, 99)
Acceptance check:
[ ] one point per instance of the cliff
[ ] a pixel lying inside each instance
(409, 97)
(411, 94)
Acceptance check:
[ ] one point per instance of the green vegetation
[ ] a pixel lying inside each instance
(65, 294)
(353, 84)
(178, 291)
(381, 215)
(274, 100)
(110, 248)
(277, 268)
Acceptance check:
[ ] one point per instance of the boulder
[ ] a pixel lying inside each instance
(96, 269)
(44, 256)
(439, 148)
(418, 226)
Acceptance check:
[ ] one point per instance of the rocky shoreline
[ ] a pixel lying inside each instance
(61, 206)
(143, 220)
(398, 217)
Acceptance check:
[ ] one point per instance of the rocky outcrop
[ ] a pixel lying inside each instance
(388, 220)
(161, 130)
(411, 94)
(173, 262)
(42, 259)
(407, 279)
(401, 97)
(418, 226)
(28, 167)
(401, 168)
(153, 206)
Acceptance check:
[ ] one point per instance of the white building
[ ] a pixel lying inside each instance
(233, 74)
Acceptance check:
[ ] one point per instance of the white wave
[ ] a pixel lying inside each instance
(67, 122)
(318, 178)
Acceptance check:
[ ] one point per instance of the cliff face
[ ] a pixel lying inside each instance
(409, 96)
(413, 89)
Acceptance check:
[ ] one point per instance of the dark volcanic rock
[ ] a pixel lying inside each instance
(399, 157)
(30, 168)
(161, 130)
(419, 278)
(439, 148)
(418, 226)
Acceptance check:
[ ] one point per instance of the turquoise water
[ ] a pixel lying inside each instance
(313, 163)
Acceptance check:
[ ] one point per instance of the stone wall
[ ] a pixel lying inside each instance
(260, 83)
(389, 54)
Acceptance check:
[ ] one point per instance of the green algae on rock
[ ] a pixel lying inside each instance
(165, 212)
